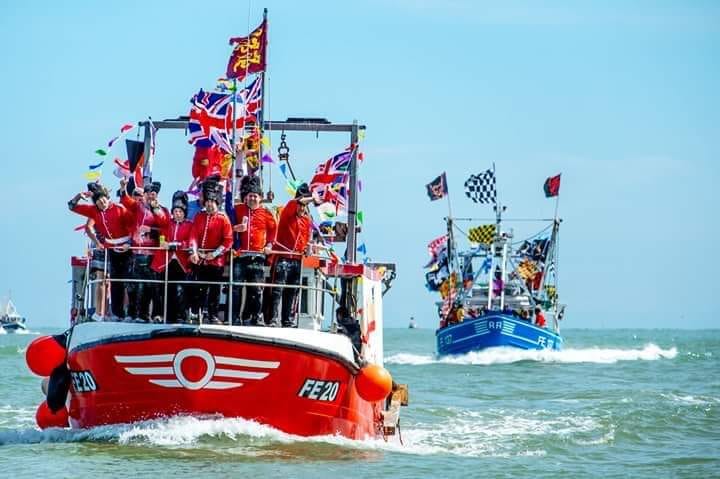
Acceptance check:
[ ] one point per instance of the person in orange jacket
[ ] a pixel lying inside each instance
(111, 220)
(293, 236)
(145, 233)
(176, 232)
(257, 228)
(210, 240)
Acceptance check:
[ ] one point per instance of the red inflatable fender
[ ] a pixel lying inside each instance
(45, 418)
(44, 354)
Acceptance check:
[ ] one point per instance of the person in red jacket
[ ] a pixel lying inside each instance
(293, 236)
(111, 220)
(256, 227)
(210, 240)
(145, 233)
(175, 231)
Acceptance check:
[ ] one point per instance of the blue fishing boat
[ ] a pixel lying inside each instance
(500, 291)
(492, 330)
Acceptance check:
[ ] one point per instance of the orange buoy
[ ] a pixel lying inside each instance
(43, 355)
(45, 418)
(373, 383)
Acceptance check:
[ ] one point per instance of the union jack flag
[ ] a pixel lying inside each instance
(211, 115)
(331, 180)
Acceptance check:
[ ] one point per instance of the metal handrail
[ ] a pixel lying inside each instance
(166, 281)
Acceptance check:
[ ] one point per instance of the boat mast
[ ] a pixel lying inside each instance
(452, 258)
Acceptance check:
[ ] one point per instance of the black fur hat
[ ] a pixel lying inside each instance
(212, 190)
(98, 193)
(250, 184)
(154, 186)
(303, 191)
(180, 200)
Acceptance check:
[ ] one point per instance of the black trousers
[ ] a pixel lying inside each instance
(285, 271)
(248, 269)
(141, 294)
(119, 269)
(207, 294)
(176, 301)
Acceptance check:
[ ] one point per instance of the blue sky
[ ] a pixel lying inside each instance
(621, 98)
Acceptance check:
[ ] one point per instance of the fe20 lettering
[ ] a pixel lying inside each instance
(83, 381)
(319, 390)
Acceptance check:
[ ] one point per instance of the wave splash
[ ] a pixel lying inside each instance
(507, 355)
(227, 435)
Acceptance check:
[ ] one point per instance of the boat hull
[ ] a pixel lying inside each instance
(225, 371)
(494, 330)
(14, 327)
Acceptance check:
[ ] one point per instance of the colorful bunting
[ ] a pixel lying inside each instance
(362, 249)
(101, 152)
(283, 167)
(359, 217)
(126, 127)
(96, 166)
(266, 158)
(359, 185)
(92, 175)
(265, 141)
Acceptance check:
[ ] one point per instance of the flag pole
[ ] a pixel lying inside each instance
(261, 116)
(451, 236)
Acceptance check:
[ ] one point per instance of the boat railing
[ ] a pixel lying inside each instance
(166, 282)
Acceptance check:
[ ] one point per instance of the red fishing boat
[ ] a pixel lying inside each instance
(321, 377)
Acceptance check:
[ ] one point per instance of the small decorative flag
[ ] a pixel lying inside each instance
(481, 187)
(101, 152)
(483, 234)
(283, 167)
(360, 217)
(362, 249)
(126, 127)
(359, 185)
(486, 265)
(526, 269)
(111, 142)
(552, 186)
(96, 166)
(265, 141)
(435, 245)
(266, 158)
(437, 188)
(92, 175)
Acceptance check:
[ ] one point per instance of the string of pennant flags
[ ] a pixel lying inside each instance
(94, 172)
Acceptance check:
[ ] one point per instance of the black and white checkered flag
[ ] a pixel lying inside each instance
(481, 187)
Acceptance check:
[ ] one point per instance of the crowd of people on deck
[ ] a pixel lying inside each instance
(458, 314)
(139, 243)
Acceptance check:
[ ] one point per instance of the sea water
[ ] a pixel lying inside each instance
(613, 403)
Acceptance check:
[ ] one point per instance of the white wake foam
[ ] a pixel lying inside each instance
(491, 432)
(506, 355)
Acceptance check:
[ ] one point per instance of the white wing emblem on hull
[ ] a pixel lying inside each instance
(166, 369)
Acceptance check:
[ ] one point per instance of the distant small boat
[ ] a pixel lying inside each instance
(413, 324)
(10, 320)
